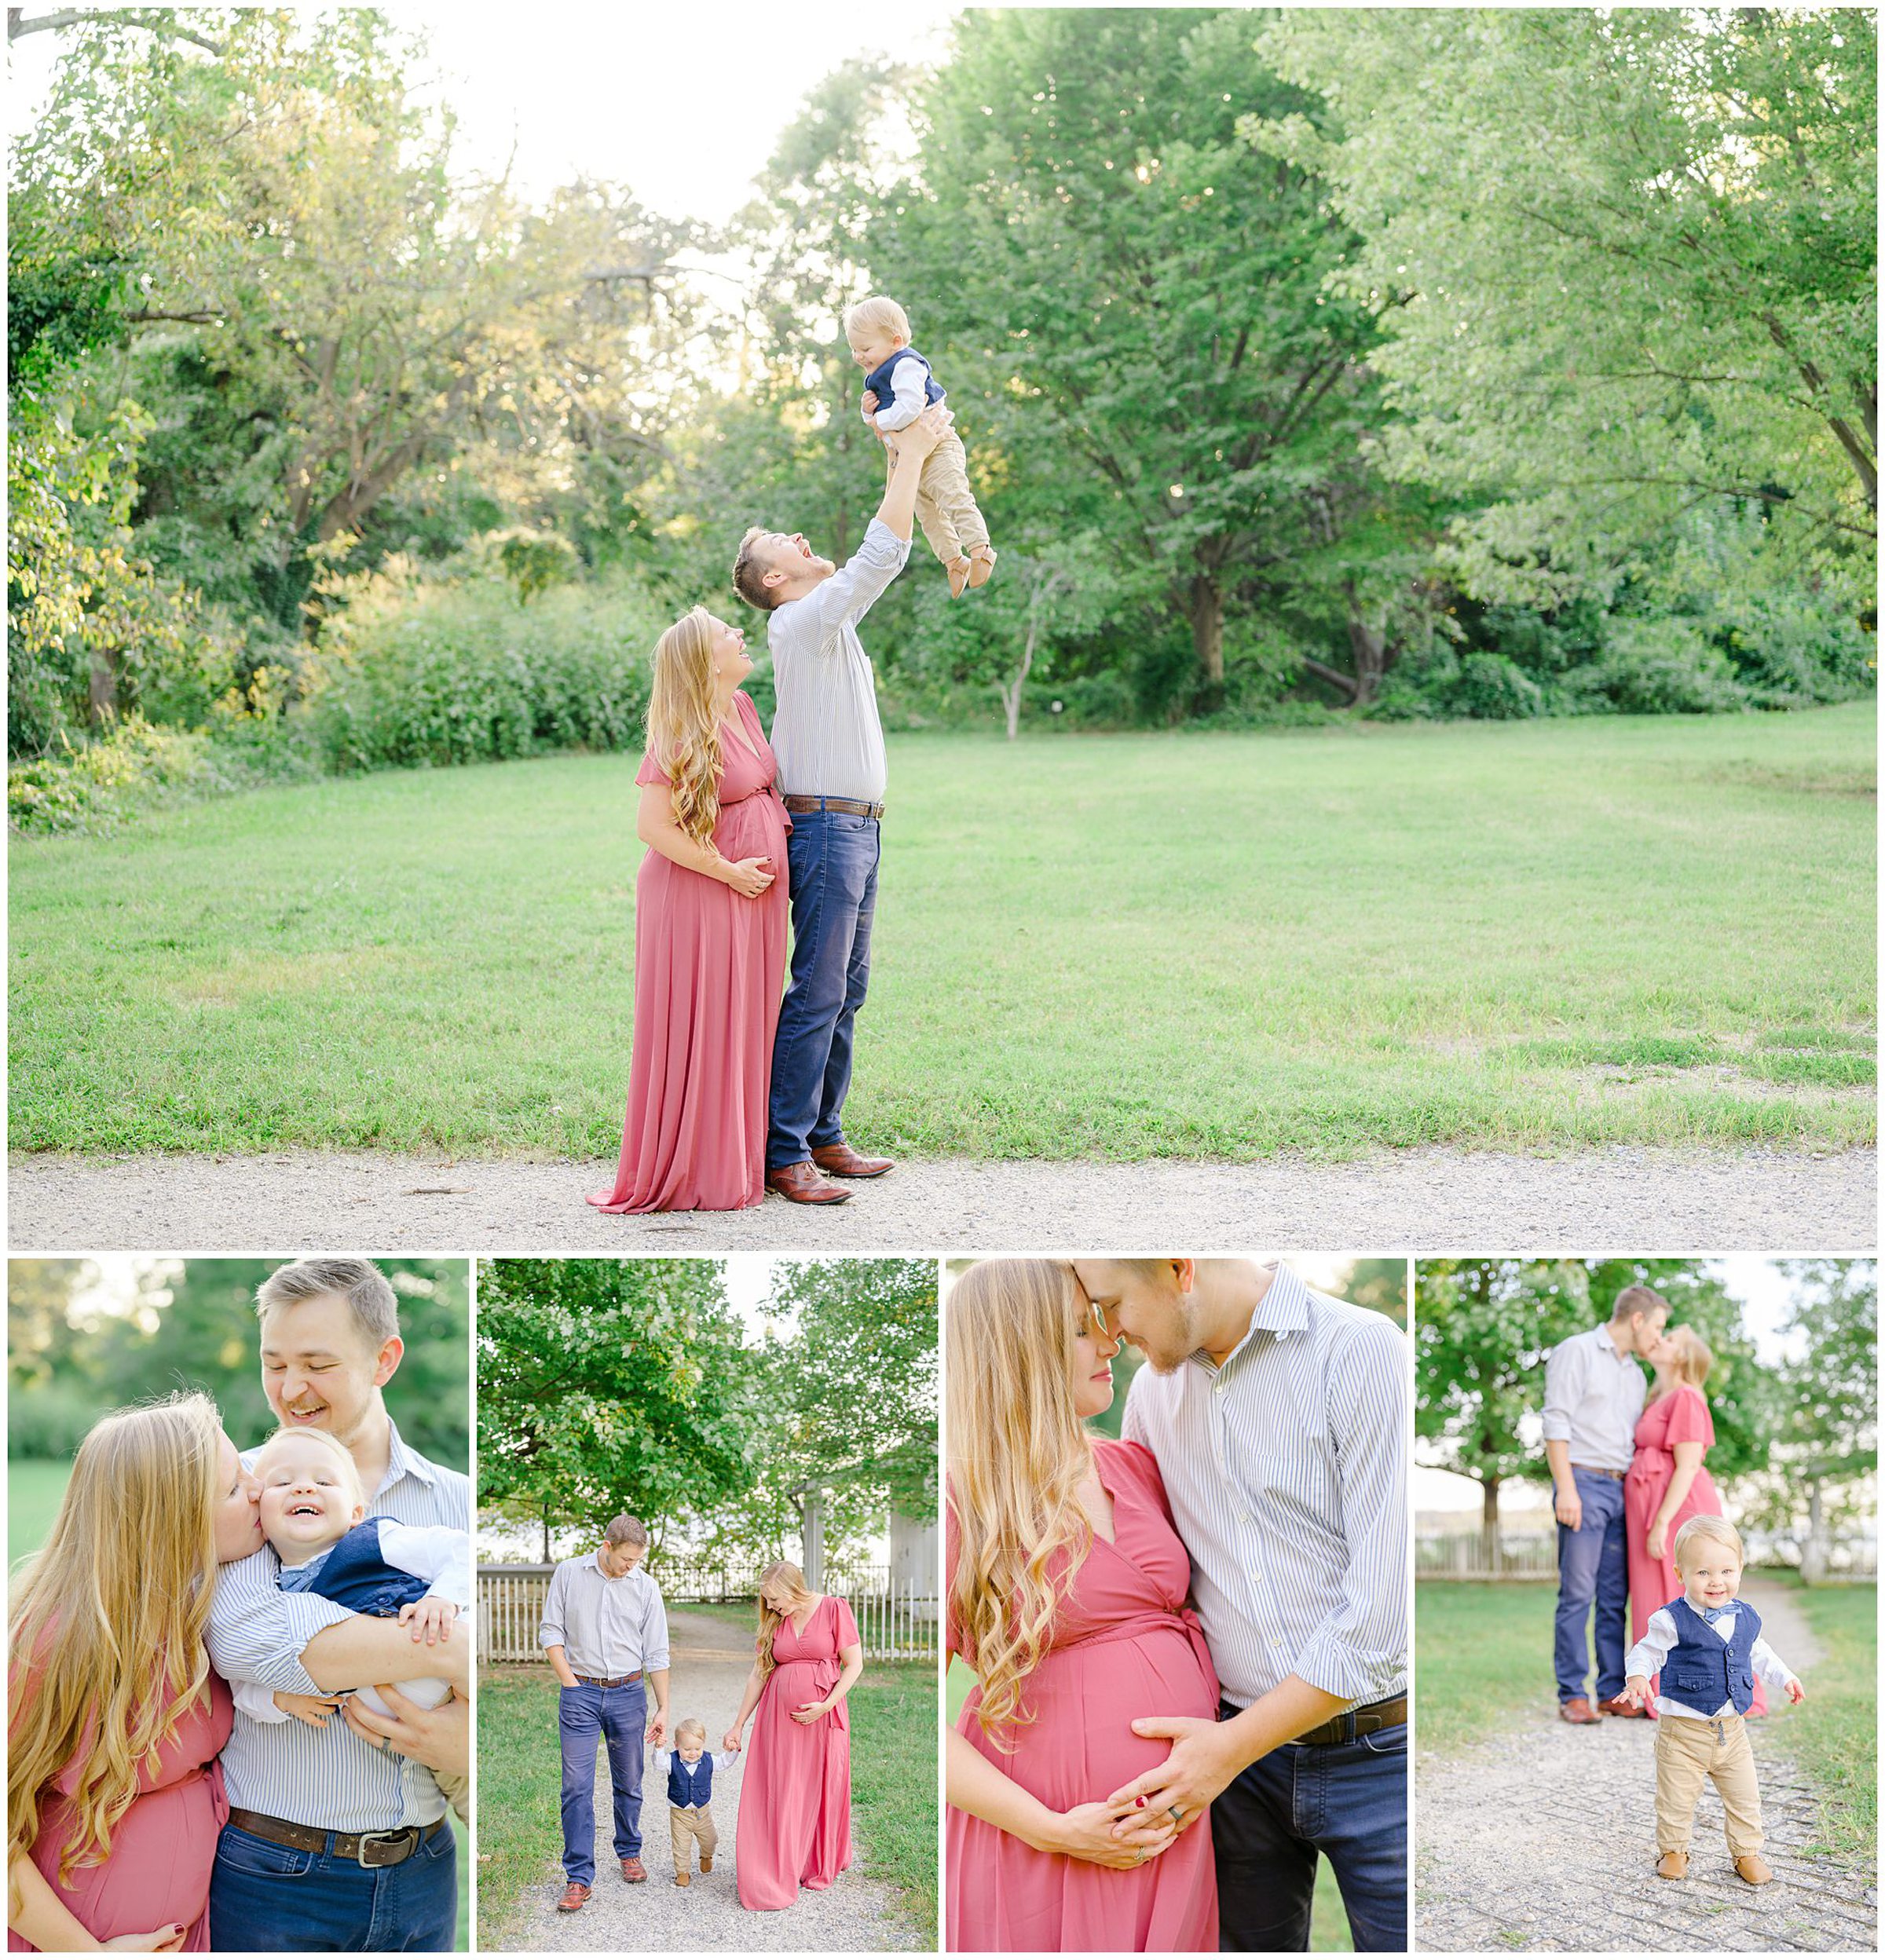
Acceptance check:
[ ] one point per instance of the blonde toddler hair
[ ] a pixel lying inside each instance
(692, 1726)
(877, 315)
(1706, 1525)
(329, 1441)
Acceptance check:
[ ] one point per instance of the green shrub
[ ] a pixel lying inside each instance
(50, 1421)
(1492, 688)
(461, 674)
(1659, 666)
(96, 786)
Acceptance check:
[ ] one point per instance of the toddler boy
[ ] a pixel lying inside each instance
(690, 1772)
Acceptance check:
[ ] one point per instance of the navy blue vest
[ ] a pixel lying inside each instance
(877, 381)
(355, 1576)
(1703, 1670)
(680, 1791)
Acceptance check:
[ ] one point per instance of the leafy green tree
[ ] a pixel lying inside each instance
(1826, 1438)
(1624, 265)
(607, 1385)
(1136, 307)
(1483, 1327)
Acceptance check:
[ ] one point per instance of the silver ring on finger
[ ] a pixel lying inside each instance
(385, 1745)
(1177, 1814)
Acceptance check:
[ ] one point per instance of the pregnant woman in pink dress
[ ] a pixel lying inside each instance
(710, 912)
(1668, 1481)
(105, 1845)
(1066, 1584)
(794, 1825)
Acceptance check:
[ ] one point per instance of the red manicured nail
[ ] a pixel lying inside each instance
(1139, 1802)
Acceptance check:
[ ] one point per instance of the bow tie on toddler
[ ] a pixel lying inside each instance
(1712, 1614)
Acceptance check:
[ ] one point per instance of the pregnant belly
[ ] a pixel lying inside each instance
(1080, 1747)
(754, 827)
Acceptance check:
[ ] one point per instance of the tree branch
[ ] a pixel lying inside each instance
(18, 25)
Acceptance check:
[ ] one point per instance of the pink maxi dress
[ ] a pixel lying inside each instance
(1681, 1416)
(709, 972)
(794, 1825)
(1124, 1645)
(157, 1871)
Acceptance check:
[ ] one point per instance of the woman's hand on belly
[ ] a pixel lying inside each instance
(1086, 1832)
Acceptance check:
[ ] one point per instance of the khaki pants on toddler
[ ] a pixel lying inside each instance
(691, 1826)
(1690, 1752)
(946, 506)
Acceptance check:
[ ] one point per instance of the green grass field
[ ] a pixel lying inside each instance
(1482, 1654)
(34, 1487)
(1328, 1924)
(893, 1786)
(1516, 935)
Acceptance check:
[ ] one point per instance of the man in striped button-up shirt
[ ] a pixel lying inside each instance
(339, 1837)
(1280, 1422)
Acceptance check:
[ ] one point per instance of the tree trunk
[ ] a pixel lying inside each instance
(1368, 648)
(812, 1535)
(1817, 1554)
(546, 1559)
(1207, 635)
(104, 687)
(1488, 1524)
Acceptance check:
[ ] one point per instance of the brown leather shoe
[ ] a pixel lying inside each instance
(1617, 1706)
(1577, 1710)
(803, 1186)
(1753, 1869)
(841, 1161)
(634, 1871)
(681, 1878)
(576, 1896)
(1672, 1864)
(706, 1866)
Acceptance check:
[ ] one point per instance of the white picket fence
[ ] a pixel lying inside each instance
(1463, 1555)
(895, 1622)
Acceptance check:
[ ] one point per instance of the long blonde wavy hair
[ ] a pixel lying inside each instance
(684, 721)
(784, 1573)
(106, 1634)
(1018, 1453)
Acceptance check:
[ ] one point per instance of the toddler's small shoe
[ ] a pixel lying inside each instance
(981, 565)
(1754, 1870)
(957, 569)
(1672, 1864)
(706, 1866)
(681, 1878)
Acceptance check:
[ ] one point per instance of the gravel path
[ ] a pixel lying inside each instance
(856, 1915)
(1545, 1841)
(1424, 1200)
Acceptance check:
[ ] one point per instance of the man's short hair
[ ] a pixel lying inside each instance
(1637, 1299)
(364, 1286)
(1707, 1526)
(877, 315)
(749, 574)
(624, 1530)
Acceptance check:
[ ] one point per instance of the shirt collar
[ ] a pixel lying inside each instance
(1284, 1309)
(402, 1462)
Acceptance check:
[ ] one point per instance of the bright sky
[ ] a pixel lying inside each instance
(681, 104)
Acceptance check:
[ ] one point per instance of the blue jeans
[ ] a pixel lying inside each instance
(833, 863)
(269, 1898)
(1592, 1568)
(1345, 1801)
(584, 1716)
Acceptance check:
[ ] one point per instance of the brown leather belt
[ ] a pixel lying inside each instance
(1591, 1470)
(371, 1849)
(1357, 1722)
(845, 806)
(614, 1680)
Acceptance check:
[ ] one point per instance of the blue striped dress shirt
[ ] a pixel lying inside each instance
(1287, 1470)
(326, 1777)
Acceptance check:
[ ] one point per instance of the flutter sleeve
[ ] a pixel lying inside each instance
(845, 1625)
(650, 772)
(1689, 1421)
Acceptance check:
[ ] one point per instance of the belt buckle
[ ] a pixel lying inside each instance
(405, 1835)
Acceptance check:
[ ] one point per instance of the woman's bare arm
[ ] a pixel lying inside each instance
(1688, 1467)
(44, 1920)
(654, 824)
(971, 1782)
(749, 1701)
